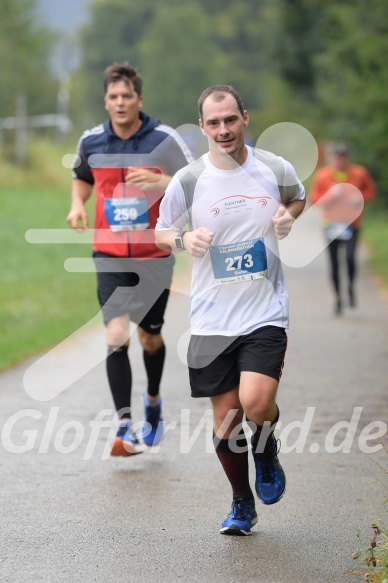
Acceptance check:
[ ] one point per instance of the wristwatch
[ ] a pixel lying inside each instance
(179, 241)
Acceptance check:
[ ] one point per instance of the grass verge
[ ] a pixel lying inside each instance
(375, 233)
(41, 303)
(374, 557)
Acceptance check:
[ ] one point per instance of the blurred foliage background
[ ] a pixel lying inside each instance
(317, 63)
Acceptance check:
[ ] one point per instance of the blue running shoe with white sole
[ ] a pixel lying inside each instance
(241, 518)
(126, 441)
(153, 426)
(270, 481)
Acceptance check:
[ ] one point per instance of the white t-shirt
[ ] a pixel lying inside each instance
(239, 284)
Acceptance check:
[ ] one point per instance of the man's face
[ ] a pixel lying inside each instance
(340, 162)
(223, 125)
(122, 103)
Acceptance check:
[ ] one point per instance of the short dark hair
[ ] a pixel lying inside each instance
(340, 149)
(123, 72)
(218, 92)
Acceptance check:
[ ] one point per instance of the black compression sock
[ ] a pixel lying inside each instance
(154, 362)
(119, 373)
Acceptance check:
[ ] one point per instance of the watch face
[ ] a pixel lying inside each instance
(179, 242)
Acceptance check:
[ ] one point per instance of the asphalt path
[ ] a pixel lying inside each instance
(70, 513)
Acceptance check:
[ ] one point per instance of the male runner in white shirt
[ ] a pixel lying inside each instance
(238, 201)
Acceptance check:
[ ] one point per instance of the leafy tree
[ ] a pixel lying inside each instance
(180, 59)
(180, 47)
(112, 34)
(353, 82)
(297, 42)
(320, 63)
(203, 43)
(24, 50)
(295, 39)
(242, 35)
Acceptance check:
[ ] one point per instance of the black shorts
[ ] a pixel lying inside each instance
(138, 287)
(215, 362)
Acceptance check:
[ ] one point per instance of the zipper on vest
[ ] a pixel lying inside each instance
(125, 196)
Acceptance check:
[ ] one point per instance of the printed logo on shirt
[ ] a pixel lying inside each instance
(237, 203)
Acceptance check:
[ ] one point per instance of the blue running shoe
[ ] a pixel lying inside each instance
(241, 518)
(126, 441)
(153, 426)
(270, 481)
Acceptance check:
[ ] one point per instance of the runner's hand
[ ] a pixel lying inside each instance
(78, 218)
(198, 242)
(142, 178)
(282, 222)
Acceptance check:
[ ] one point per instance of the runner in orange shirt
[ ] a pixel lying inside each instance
(336, 189)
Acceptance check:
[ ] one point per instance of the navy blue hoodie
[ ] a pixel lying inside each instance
(102, 161)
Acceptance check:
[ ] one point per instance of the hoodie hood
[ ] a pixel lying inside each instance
(147, 126)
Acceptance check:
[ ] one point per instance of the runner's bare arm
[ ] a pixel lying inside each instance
(78, 216)
(195, 242)
(146, 179)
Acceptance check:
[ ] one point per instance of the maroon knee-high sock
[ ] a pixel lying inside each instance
(235, 463)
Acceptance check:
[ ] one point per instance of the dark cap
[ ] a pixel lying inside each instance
(340, 148)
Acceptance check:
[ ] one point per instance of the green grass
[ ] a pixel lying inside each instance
(375, 233)
(41, 303)
(374, 557)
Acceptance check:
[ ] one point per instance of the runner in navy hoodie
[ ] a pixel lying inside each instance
(129, 160)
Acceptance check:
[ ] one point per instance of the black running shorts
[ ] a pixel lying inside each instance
(215, 362)
(138, 287)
